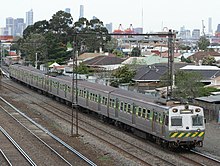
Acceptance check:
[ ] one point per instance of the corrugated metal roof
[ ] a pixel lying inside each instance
(210, 99)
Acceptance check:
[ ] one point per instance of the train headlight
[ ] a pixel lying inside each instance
(175, 110)
(197, 109)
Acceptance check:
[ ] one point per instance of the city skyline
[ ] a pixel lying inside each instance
(152, 15)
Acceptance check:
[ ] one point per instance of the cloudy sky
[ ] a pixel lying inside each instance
(156, 13)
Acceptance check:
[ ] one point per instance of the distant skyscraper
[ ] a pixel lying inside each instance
(218, 28)
(109, 27)
(29, 17)
(94, 17)
(10, 25)
(210, 26)
(19, 26)
(67, 10)
(196, 34)
(81, 12)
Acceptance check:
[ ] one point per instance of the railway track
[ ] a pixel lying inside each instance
(50, 141)
(120, 144)
(4, 159)
(125, 147)
(12, 152)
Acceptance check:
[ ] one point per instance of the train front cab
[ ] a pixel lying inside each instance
(186, 126)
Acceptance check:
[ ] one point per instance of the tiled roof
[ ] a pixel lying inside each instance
(201, 54)
(88, 55)
(154, 72)
(104, 60)
(207, 74)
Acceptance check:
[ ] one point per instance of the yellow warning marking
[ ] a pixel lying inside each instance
(174, 135)
(194, 134)
(181, 135)
(187, 135)
(201, 134)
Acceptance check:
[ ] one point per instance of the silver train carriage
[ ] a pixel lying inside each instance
(173, 126)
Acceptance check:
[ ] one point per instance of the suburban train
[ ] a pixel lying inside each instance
(171, 125)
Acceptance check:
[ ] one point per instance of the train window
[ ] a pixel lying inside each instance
(159, 117)
(144, 113)
(166, 120)
(176, 121)
(134, 109)
(106, 101)
(110, 102)
(139, 111)
(69, 89)
(129, 108)
(84, 94)
(121, 106)
(113, 103)
(96, 98)
(125, 107)
(155, 116)
(148, 114)
(103, 100)
(93, 97)
(197, 120)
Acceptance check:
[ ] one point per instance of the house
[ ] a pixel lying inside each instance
(104, 62)
(12, 58)
(55, 67)
(210, 74)
(211, 105)
(150, 75)
(147, 60)
(198, 56)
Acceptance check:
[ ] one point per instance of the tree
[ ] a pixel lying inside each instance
(118, 53)
(32, 45)
(111, 45)
(187, 84)
(92, 34)
(124, 74)
(208, 60)
(203, 43)
(82, 69)
(136, 51)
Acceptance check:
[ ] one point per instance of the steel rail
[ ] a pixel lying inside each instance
(206, 156)
(10, 164)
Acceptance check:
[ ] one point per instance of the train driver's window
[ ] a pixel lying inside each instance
(176, 121)
(148, 114)
(139, 111)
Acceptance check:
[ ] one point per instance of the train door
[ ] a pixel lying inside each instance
(99, 103)
(162, 122)
(134, 114)
(87, 98)
(116, 108)
(154, 117)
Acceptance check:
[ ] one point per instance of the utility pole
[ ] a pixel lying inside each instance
(171, 41)
(36, 60)
(1, 74)
(75, 87)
